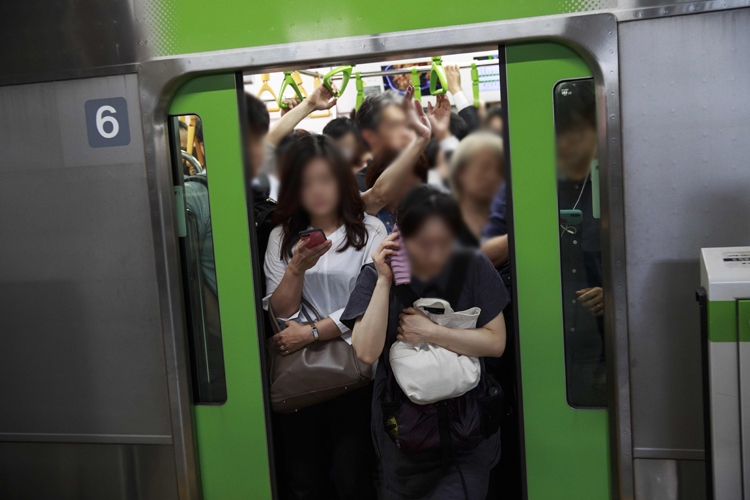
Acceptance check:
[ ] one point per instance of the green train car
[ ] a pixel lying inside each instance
(100, 351)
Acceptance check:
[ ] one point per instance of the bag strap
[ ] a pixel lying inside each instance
(458, 277)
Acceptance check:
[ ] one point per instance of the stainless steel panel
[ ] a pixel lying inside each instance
(81, 328)
(43, 37)
(670, 480)
(686, 120)
(44, 471)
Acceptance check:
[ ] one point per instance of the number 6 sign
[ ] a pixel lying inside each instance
(107, 122)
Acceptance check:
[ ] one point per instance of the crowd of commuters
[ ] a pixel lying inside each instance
(400, 189)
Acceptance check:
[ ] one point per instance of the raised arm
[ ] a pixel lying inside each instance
(368, 336)
(320, 99)
(390, 181)
(488, 341)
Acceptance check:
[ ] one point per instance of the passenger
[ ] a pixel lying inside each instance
(395, 167)
(319, 191)
(494, 120)
(439, 171)
(320, 99)
(476, 174)
(429, 222)
(383, 124)
(257, 128)
(580, 253)
(344, 133)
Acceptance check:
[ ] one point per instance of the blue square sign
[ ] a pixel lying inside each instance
(107, 122)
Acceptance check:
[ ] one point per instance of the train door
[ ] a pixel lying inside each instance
(562, 373)
(229, 411)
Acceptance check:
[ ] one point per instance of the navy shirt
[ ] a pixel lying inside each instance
(497, 225)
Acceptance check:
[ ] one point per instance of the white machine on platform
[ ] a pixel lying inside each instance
(725, 277)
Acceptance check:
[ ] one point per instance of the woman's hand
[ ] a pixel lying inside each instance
(293, 338)
(291, 103)
(414, 327)
(592, 299)
(440, 117)
(321, 98)
(387, 247)
(305, 258)
(416, 118)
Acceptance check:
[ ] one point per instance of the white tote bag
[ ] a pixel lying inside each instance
(428, 373)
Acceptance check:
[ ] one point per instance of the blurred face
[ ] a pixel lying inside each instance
(481, 177)
(496, 125)
(430, 248)
(347, 145)
(393, 132)
(576, 147)
(255, 152)
(320, 189)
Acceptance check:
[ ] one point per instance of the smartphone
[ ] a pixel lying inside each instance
(571, 217)
(312, 237)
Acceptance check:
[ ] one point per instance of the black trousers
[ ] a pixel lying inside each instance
(325, 451)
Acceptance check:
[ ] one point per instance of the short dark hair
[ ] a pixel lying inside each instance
(257, 115)
(340, 127)
(579, 110)
(423, 202)
(368, 114)
(384, 160)
(458, 126)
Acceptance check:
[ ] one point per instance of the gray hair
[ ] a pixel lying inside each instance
(468, 148)
(368, 114)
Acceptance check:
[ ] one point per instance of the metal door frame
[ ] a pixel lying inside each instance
(593, 37)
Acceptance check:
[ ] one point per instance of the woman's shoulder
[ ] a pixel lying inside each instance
(373, 224)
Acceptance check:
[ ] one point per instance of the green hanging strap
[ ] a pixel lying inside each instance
(288, 82)
(416, 84)
(475, 83)
(437, 72)
(360, 90)
(346, 73)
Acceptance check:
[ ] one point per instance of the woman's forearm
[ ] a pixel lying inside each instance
(392, 178)
(480, 342)
(287, 297)
(368, 335)
(496, 249)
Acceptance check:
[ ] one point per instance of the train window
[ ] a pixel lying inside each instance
(580, 250)
(199, 267)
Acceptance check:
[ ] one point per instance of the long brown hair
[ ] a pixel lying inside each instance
(289, 211)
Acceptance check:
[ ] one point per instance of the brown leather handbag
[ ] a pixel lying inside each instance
(316, 373)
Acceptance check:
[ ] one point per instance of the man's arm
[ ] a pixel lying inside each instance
(320, 99)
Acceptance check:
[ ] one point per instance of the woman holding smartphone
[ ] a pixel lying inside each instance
(322, 239)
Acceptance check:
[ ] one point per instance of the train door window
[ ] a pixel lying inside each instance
(580, 248)
(199, 267)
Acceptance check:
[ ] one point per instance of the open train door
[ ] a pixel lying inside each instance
(230, 419)
(562, 378)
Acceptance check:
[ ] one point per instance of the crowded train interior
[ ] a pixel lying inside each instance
(500, 258)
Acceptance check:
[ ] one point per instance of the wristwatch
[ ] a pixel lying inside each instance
(316, 335)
